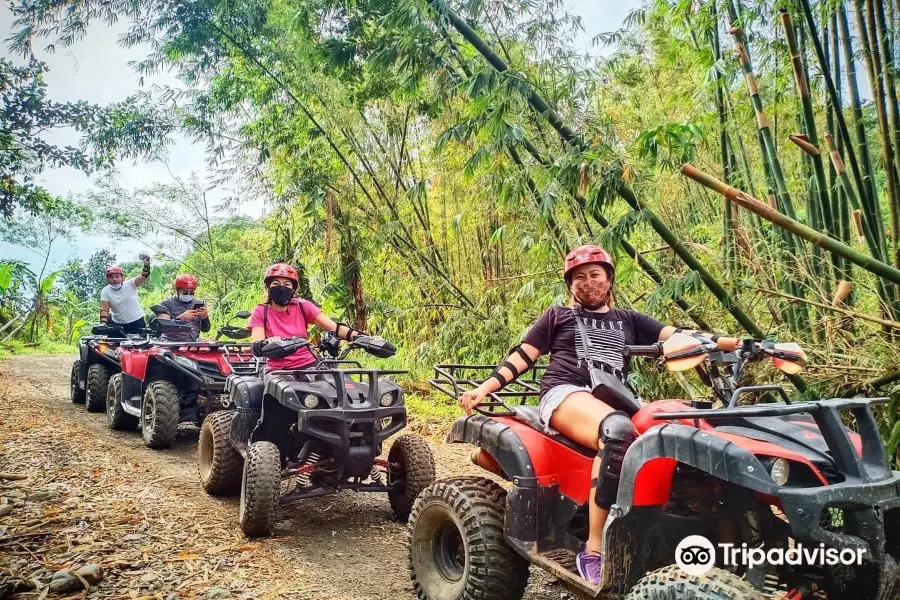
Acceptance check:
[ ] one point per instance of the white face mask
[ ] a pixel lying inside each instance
(185, 297)
(116, 287)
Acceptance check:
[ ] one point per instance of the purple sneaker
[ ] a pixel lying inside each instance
(588, 565)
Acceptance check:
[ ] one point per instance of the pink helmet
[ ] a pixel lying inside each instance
(282, 270)
(113, 270)
(586, 255)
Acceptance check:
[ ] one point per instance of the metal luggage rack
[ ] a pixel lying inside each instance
(456, 379)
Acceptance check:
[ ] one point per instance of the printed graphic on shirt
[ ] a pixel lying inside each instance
(605, 343)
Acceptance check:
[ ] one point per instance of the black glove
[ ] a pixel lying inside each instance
(258, 346)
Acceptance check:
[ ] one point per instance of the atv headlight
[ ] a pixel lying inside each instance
(310, 401)
(386, 399)
(186, 362)
(780, 471)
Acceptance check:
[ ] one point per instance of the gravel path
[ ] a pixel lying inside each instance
(96, 496)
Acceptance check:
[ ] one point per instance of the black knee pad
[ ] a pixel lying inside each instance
(617, 433)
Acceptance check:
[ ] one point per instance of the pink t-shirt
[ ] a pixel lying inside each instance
(284, 324)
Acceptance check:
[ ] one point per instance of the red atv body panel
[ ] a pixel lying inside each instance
(555, 463)
(135, 362)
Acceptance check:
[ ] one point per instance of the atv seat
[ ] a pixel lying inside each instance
(531, 416)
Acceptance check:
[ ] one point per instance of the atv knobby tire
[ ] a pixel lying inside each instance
(97, 385)
(76, 394)
(671, 583)
(416, 473)
(260, 489)
(890, 583)
(221, 466)
(159, 414)
(116, 417)
(456, 546)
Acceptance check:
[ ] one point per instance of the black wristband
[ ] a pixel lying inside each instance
(500, 378)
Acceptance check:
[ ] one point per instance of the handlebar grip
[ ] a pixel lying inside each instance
(651, 351)
(728, 344)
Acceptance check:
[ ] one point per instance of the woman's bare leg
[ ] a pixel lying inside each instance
(578, 418)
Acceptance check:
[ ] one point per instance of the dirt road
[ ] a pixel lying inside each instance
(96, 496)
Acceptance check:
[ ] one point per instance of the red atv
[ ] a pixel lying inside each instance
(758, 476)
(164, 383)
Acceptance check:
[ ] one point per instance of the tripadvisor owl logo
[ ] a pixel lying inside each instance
(696, 555)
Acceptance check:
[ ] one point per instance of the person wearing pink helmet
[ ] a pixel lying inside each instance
(588, 336)
(185, 306)
(119, 301)
(283, 315)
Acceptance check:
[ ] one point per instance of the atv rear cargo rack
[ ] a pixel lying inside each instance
(447, 379)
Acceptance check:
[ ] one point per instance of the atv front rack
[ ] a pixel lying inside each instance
(456, 379)
(372, 377)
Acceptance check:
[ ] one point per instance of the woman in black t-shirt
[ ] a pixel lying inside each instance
(589, 334)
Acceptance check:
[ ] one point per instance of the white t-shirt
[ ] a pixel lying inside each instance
(124, 306)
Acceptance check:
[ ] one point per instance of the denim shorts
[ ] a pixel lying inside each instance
(553, 398)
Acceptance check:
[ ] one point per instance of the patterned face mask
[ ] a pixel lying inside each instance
(590, 293)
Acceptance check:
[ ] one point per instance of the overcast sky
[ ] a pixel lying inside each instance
(96, 70)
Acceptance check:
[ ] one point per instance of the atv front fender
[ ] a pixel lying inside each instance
(650, 464)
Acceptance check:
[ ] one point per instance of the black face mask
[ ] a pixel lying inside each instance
(281, 295)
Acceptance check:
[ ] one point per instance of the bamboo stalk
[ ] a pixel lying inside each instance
(863, 226)
(892, 108)
(832, 308)
(820, 190)
(812, 236)
(728, 237)
(803, 144)
(541, 106)
(762, 121)
(872, 53)
(841, 122)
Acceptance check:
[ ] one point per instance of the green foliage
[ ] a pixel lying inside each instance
(27, 112)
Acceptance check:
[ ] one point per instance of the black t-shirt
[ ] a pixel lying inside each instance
(556, 332)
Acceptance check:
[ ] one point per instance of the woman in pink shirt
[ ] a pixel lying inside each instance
(284, 316)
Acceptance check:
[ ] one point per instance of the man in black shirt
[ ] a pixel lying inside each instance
(588, 336)
(185, 307)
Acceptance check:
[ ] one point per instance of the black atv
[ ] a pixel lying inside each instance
(98, 360)
(312, 432)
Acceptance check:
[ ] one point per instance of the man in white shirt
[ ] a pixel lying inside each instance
(119, 301)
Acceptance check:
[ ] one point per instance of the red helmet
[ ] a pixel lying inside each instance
(113, 270)
(282, 270)
(186, 281)
(587, 255)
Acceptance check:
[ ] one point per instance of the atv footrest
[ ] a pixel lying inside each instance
(560, 563)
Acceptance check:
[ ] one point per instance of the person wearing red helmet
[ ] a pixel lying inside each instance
(585, 342)
(184, 306)
(283, 315)
(119, 301)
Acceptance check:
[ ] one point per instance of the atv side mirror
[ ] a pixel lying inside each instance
(683, 352)
(789, 358)
(242, 314)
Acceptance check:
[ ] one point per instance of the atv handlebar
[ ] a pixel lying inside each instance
(651, 351)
